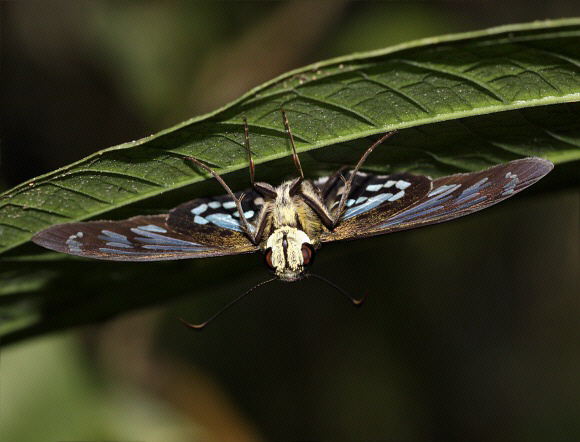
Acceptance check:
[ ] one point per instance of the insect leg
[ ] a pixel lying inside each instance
(331, 182)
(261, 224)
(238, 201)
(295, 155)
(320, 211)
(345, 194)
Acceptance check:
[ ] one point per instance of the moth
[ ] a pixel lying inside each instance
(289, 223)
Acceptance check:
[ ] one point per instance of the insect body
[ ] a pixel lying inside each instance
(289, 223)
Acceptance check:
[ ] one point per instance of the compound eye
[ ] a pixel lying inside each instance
(268, 259)
(307, 255)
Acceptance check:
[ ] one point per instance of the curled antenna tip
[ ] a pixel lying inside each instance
(359, 302)
(193, 326)
(202, 325)
(355, 302)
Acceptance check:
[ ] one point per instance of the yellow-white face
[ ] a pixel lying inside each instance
(288, 253)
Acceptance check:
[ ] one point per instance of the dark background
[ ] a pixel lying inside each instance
(470, 331)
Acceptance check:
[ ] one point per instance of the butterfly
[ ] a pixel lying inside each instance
(289, 223)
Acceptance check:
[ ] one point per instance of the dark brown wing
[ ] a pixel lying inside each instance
(448, 198)
(142, 238)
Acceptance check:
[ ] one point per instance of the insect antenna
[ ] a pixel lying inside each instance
(224, 308)
(355, 301)
(250, 159)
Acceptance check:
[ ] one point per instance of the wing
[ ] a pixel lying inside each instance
(447, 198)
(142, 238)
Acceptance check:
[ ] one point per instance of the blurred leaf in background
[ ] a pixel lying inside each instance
(470, 330)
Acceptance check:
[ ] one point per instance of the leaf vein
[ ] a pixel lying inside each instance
(451, 73)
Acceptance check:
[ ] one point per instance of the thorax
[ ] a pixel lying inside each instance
(286, 211)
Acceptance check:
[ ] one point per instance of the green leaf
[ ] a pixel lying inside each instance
(331, 102)
(462, 102)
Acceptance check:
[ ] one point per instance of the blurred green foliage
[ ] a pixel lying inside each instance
(470, 330)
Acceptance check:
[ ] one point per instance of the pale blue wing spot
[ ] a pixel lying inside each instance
(156, 239)
(152, 228)
(402, 184)
(247, 215)
(468, 204)
(410, 216)
(108, 235)
(119, 239)
(374, 187)
(349, 202)
(510, 186)
(465, 197)
(153, 248)
(473, 191)
(371, 203)
(361, 199)
(200, 220)
(229, 205)
(214, 204)
(224, 220)
(119, 244)
(428, 206)
(475, 188)
(73, 245)
(199, 209)
(397, 195)
(444, 190)
(162, 241)
(119, 252)
(193, 248)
